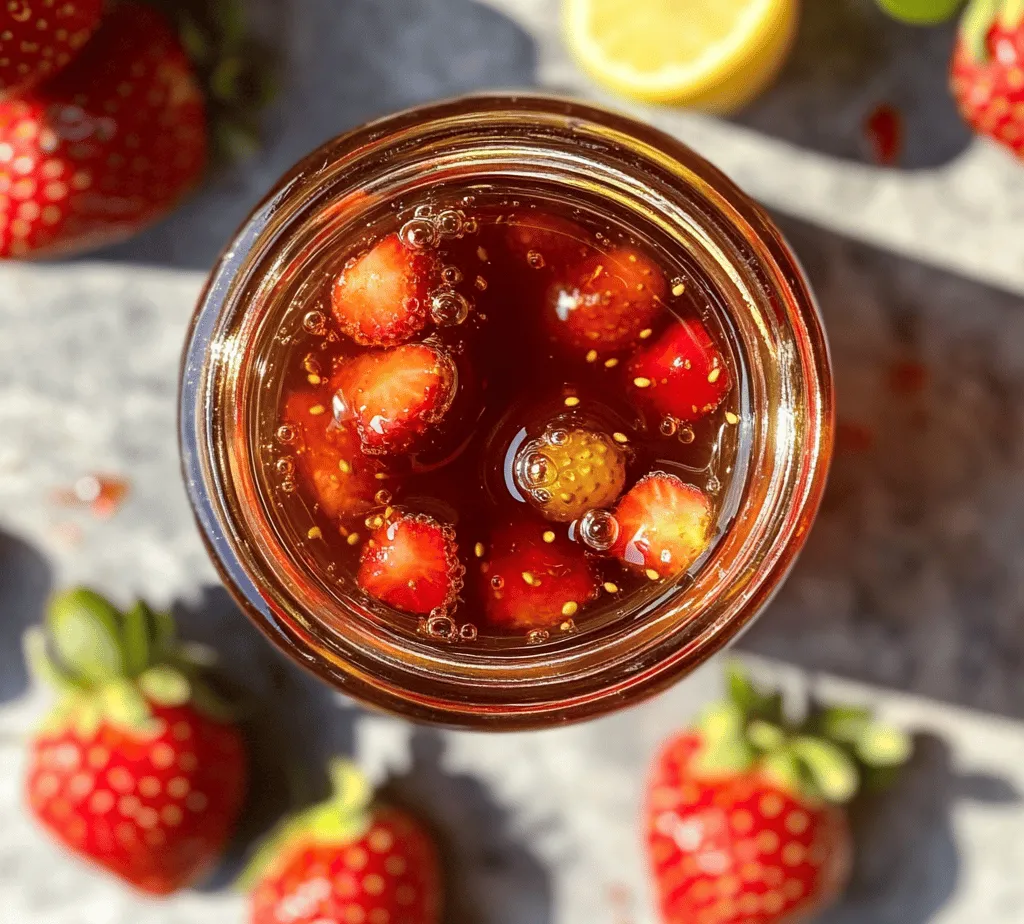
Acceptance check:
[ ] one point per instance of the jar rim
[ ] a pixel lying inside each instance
(564, 682)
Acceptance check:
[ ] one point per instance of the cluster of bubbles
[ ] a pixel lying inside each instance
(669, 426)
(427, 230)
(286, 435)
(439, 625)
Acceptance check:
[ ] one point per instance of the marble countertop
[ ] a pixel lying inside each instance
(910, 595)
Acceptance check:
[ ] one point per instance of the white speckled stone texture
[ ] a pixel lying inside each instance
(911, 586)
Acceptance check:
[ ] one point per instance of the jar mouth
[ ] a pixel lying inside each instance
(787, 419)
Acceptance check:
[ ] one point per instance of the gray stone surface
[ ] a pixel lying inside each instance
(911, 584)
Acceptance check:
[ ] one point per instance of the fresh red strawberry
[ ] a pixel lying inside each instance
(988, 70)
(546, 241)
(664, 526)
(109, 145)
(40, 37)
(137, 769)
(681, 375)
(383, 297)
(533, 578)
(744, 817)
(411, 562)
(347, 860)
(396, 397)
(607, 302)
(328, 455)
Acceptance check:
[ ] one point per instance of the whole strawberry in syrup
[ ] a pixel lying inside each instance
(40, 37)
(347, 860)
(744, 817)
(988, 70)
(138, 768)
(107, 146)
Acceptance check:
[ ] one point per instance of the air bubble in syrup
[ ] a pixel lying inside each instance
(286, 434)
(448, 308)
(468, 632)
(418, 234)
(383, 497)
(686, 435)
(315, 323)
(441, 627)
(450, 223)
(285, 466)
(287, 487)
(497, 582)
(536, 259)
(536, 470)
(537, 636)
(558, 437)
(599, 530)
(451, 275)
(668, 426)
(423, 211)
(713, 485)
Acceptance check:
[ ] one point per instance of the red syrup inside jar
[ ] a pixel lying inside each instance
(497, 417)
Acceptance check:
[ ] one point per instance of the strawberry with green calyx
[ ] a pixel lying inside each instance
(139, 767)
(745, 817)
(988, 70)
(345, 860)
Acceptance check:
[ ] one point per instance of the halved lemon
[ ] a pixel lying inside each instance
(714, 55)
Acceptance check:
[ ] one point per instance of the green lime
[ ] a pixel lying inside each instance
(921, 12)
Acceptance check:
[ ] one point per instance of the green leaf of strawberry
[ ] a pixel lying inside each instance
(750, 807)
(84, 628)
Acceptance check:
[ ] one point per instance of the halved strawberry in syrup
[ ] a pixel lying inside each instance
(328, 456)
(412, 563)
(664, 526)
(395, 397)
(528, 582)
(681, 375)
(382, 297)
(606, 302)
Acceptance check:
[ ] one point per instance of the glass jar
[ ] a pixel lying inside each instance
(786, 403)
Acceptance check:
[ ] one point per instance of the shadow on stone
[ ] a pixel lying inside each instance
(346, 63)
(491, 875)
(25, 583)
(911, 577)
(290, 720)
(850, 58)
(908, 865)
